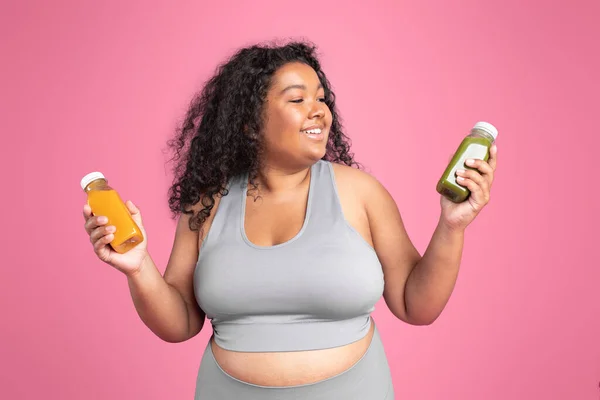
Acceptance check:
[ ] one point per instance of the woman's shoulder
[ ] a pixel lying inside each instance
(358, 180)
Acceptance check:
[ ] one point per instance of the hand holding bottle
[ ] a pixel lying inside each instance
(115, 228)
(478, 178)
(101, 234)
(466, 183)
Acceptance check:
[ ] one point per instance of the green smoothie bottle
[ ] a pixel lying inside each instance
(476, 146)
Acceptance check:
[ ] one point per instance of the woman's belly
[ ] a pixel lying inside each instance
(291, 368)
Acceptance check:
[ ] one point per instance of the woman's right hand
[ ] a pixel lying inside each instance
(101, 235)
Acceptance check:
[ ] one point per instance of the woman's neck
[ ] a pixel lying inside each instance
(273, 179)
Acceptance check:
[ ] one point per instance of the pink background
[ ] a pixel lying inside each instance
(101, 86)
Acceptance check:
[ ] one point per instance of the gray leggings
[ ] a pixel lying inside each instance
(368, 379)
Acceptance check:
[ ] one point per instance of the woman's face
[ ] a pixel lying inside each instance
(297, 120)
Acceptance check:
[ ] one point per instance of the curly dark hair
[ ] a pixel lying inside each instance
(220, 135)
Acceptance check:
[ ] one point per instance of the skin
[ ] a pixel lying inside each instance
(417, 288)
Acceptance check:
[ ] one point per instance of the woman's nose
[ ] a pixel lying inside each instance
(318, 110)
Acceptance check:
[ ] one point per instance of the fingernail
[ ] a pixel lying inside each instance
(102, 220)
(460, 178)
(460, 171)
(470, 161)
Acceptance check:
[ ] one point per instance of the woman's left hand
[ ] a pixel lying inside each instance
(479, 182)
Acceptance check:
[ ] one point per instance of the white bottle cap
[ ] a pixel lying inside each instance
(89, 178)
(487, 127)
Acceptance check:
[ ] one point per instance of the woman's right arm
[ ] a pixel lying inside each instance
(167, 305)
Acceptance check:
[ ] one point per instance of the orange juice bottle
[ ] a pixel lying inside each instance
(105, 201)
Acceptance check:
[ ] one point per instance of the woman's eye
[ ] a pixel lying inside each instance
(322, 100)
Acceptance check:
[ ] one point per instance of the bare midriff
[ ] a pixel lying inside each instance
(291, 368)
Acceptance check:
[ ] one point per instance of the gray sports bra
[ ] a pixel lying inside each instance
(315, 291)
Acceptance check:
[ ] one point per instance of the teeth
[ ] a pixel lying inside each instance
(312, 131)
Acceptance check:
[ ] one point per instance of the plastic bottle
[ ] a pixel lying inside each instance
(476, 145)
(105, 201)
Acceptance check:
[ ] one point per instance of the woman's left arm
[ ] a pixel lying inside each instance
(417, 288)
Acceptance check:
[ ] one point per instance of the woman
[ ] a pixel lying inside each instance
(282, 243)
